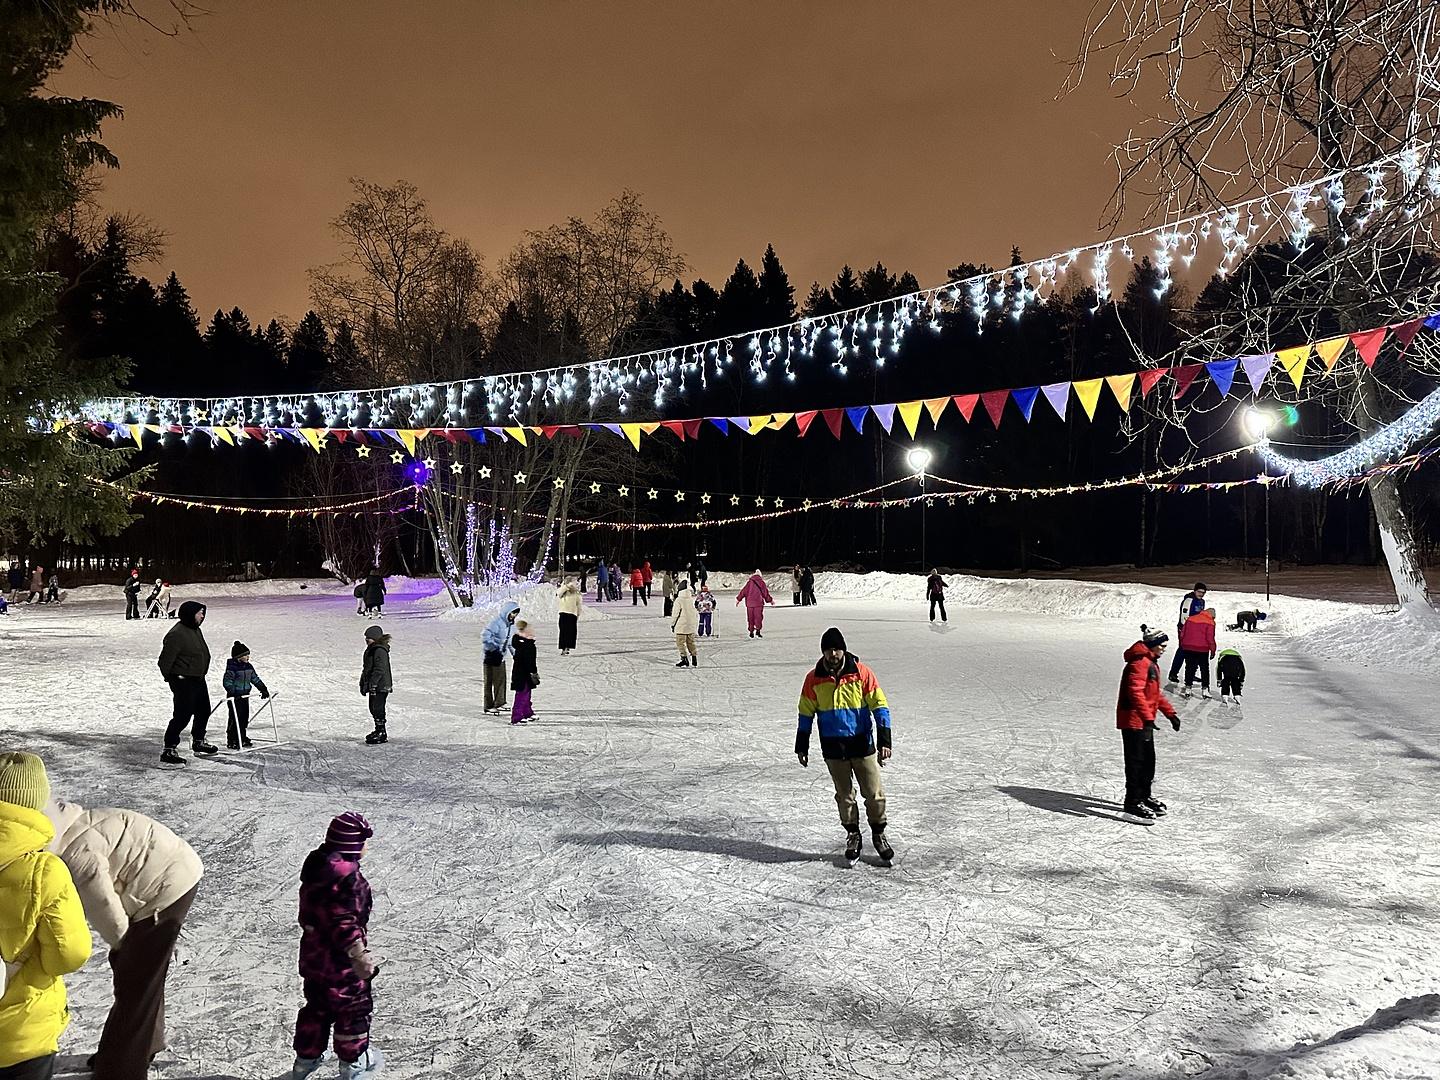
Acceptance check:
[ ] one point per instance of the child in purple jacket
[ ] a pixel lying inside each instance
(335, 962)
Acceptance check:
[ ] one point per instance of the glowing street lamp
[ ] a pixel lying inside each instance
(919, 459)
(1258, 423)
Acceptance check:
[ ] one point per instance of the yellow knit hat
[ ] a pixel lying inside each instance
(23, 781)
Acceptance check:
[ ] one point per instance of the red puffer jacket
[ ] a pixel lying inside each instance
(1140, 694)
(1198, 633)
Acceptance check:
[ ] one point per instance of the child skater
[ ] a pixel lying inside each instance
(335, 963)
(1141, 699)
(705, 605)
(1230, 671)
(239, 677)
(524, 674)
(375, 680)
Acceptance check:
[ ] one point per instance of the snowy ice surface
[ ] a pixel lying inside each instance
(646, 883)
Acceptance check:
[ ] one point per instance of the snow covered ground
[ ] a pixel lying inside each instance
(645, 884)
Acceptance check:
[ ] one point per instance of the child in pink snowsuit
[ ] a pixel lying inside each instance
(755, 595)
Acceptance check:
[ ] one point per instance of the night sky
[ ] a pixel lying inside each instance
(837, 132)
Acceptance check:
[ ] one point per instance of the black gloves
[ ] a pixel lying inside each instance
(1175, 722)
(802, 747)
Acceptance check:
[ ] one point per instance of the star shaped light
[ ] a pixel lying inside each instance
(520, 478)
(759, 500)
(805, 505)
(624, 491)
(456, 468)
(430, 463)
(734, 500)
(559, 482)
(679, 496)
(653, 493)
(201, 416)
(779, 503)
(362, 451)
(705, 498)
(397, 457)
(484, 472)
(594, 487)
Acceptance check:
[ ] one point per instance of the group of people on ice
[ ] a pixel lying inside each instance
(31, 587)
(157, 603)
(1196, 634)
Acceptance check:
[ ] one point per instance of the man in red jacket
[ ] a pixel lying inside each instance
(1140, 699)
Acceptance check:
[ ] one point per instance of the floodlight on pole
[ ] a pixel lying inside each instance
(1259, 421)
(918, 459)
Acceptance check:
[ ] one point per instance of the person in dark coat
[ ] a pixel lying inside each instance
(132, 595)
(524, 673)
(240, 676)
(807, 587)
(15, 578)
(335, 962)
(1230, 670)
(375, 593)
(935, 587)
(184, 661)
(375, 680)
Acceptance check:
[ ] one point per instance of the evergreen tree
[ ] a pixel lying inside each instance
(846, 293)
(740, 302)
(345, 356)
(46, 142)
(877, 284)
(777, 295)
(175, 303)
(818, 302)
(707, 309)
(307, 361)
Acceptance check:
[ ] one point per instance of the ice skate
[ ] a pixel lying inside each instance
(377, 736)
(1186, 692)
(1155, 806)
(882, 846)
(1205, 693)
(853, 844)
(304, 1066)
(694, 661)
(368, 1065)
(171, 756)
(205, 748)
(683, 662)
(1224, 699)
(1139, 813)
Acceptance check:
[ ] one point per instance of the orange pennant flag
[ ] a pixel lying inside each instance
(1329, 351)
(781, 419)
(1122, 386)
(936, 406)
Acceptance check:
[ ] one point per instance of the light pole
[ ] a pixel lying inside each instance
(919, 460)
(1259, 422)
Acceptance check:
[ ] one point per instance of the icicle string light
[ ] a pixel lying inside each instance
(1393, 439)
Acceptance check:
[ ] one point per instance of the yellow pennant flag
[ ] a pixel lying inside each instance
(909, 415)
(1329, 351)
(758, 422)
(316, 438)
(1293, 361)
(781, 419)
(155, 428)
(632, 432)
(935, 406)
(406, 436)
(517, 433)
(1088, 391)
(1121, 386)
(135, 432)
(223, 434)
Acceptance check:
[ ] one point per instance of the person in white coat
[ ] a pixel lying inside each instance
(685, 624)
(136, 880)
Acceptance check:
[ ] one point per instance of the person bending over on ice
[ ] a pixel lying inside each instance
(497, 641)
(685, 625)
(335, 963)
(43, 935)
(184, 661)
(754, 594)
(1230, 672)
(137, 880)
(525, 673)
(845, 697)
(374, 597)
(375, 680)
(1140, 699)
(239, 677)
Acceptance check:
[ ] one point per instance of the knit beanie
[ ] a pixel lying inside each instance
(238, 650)
(832, 639)
(1153, 639)
(23, 781)
(374, 633)
(348, 832)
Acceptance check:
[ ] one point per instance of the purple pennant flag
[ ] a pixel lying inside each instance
(1058, 394)
(1223, 372)
(613, 428)
(1025, 400)
(1257, 367)
(885, 414)
(721, 423)
(857, 417)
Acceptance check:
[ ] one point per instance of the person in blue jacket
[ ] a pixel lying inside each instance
(602, 579)
(1192, 603)
(240, 676)
(498, 640)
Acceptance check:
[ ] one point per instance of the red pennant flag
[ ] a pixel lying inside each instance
(1184, 376)
(995, 404)
(1367, 343)
(1405, 333)
(966, 404)
(675, 427)
(803, 420)
(255, 432)
(833, 419)
(1149, 378)
(549, 430)
(453, 435)
(692, 428)
(340, 434)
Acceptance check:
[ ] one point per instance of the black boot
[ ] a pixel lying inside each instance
(683, 662)
(171, 756)
(1157, 807)
(203, 747)
(853, 843)
(378, 735)
(882, 846)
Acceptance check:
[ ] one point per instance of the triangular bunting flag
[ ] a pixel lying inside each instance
(803, 420)
(315, 436)
(1293, 361)
(833, 419)
(966, 404)
(1025, 399)
(885, 414)
(780, 420)
(223, 434)
(1148, 378)
(1058, 394)
(1222, 373)
(549, 430)
(1122, 386)
(910, 414)
(341, 434)
(632, 432)
(650, 427)
(995, 404)
(614, 429)
(1256, 368)
(692, 428)
(721, 423)
(675, 427)
(741, 422)
(935, 406)
(476, 433)
(136, 432)
(1088, 391)
(1185, 374)
(1329, 351)
(1405, 333)
(518, 434)
(759, 423)
(407, 439)
(1367, 343)
(857, 417)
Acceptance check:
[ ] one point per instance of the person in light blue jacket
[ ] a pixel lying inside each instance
(498, 640)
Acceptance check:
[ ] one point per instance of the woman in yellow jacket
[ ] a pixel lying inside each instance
(43, 934)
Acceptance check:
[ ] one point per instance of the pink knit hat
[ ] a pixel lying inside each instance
(348, 832)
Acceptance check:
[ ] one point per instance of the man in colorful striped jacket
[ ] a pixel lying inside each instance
(844, 695)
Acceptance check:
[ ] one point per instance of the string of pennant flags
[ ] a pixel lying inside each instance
(1297, 363)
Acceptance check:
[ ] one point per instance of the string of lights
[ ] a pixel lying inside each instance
(352, 506)
(875, 330)
(1394, 438)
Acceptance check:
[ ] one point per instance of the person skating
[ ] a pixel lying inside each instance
(935, 587)
(524, 673)
(52, 589)
(1230, 673)
(336, 968)
(637, 587)
(807, 587)
(15, 579)
(497, 642)
(184, 661)
(647, 572)
(1192, 603)
(239, 677)
(152, 602)
(684, 625)
(1197, 644)
(136, 880)
(571, 599)
(132, 595)
(1140, 699)
(376, 681)
(43, 935)
(616, 581)
(754, 594)
(375, 592)
(705, 608)
(667, 589)
(844, 696)
(37, 585)
(795, 587)
(602, 581)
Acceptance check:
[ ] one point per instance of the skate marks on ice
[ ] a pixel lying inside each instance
(728, 847)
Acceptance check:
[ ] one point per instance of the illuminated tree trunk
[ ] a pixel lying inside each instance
(1397, 540)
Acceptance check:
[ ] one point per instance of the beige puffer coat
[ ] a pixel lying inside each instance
(570, 599)
(126, 866)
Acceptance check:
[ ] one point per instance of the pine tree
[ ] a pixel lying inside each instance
(877, 284)
(175, 303)
(46, 142)
(307, 362)
(740, 304)
(846, 293)
(818, 302)
(777, 295)
(345, 356)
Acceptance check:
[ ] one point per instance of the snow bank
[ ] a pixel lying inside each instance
(539, 604)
